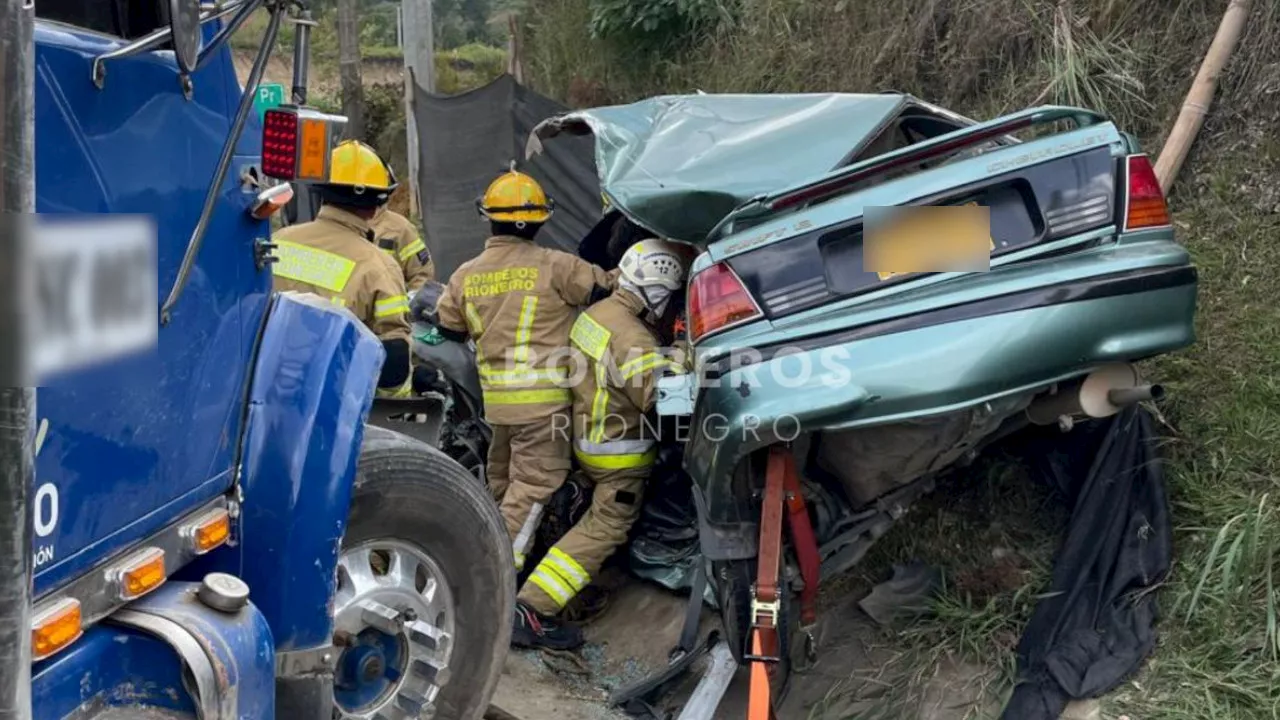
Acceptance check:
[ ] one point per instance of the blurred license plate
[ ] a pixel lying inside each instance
(91, 293)
(905, 240)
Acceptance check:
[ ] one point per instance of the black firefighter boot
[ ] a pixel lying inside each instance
(531, 630)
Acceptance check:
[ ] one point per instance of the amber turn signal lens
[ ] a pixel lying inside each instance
(141, 573)
(210, 530)
(55, 627)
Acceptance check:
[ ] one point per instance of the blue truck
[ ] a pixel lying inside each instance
(214, 531)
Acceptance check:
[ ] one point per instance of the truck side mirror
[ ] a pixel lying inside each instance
(184, 24)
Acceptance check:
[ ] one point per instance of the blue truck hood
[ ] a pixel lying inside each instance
(678, 164)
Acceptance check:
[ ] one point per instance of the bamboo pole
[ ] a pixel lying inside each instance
(1196, 106)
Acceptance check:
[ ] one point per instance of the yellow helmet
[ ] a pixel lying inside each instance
(515, 198)
(358, 176)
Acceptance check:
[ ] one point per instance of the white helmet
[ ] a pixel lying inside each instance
(653, 269)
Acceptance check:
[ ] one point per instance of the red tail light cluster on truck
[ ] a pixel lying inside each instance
(717, 301)
(296, 143)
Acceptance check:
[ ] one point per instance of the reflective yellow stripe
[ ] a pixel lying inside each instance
(590, 336)
(521, 543)
(648, 361)
(338, 301)
(519, 561)
(547, 374)
(553, 586)
(528, 309)
(311, 266)
(491, 377)
(411, 249)
(599, 404)
(394, 305)
(527, 397)
(405, 390)
(473, 320)
(617, 462)
(568, 569)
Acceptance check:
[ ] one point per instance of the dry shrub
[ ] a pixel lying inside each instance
(1133, 59)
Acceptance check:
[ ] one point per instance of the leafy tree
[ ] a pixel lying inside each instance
(462, 22)
(657, 22)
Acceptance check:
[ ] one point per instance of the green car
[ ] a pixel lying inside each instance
(876, 381)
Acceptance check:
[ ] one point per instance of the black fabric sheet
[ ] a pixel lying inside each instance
(1097, 626)
(465, 141)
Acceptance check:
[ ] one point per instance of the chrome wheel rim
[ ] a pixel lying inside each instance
(394, 620)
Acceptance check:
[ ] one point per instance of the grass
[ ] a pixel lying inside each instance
(1219, 652)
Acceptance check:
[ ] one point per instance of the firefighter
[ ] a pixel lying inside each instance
(334, 257)
(517, 301)
(619, 344)
(400, 239)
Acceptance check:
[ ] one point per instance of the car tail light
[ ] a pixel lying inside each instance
(718, 300)
(296, 143)
(1144, 200)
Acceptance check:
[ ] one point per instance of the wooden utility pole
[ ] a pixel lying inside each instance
(1196, 106)
(349, 68)
(419, 66)
(515, 64)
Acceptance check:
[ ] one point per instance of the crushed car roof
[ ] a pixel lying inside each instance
(678, 164)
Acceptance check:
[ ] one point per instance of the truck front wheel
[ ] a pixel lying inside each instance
(425, 588)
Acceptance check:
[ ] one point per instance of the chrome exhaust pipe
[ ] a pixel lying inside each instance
(1102, 393)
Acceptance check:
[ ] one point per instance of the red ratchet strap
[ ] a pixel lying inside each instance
(782, 490)
(805, 543)
(765, 595)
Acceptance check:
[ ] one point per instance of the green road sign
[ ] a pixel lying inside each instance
(269, 95)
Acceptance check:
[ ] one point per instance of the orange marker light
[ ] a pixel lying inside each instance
(313, 149)
(55, 627)
(271, 200)
(141, 573)
(210, 530)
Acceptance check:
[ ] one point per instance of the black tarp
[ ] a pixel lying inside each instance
(1096, 626)
(465, 141)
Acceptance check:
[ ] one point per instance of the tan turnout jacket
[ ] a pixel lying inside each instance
(619, 383)
(333, 258)
(398, 237)
(517, 301)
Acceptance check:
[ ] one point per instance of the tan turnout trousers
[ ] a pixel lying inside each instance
(518, 301)
(614, 444)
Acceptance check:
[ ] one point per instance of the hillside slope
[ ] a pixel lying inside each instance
(321, 78)
(1133, 59)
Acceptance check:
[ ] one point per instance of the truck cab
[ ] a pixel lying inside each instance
(216, 534)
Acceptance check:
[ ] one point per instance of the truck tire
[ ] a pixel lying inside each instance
(415, 499)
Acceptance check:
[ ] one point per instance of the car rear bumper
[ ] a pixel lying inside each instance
(929, 363)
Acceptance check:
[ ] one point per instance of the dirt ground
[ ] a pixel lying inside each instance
(631, 639)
